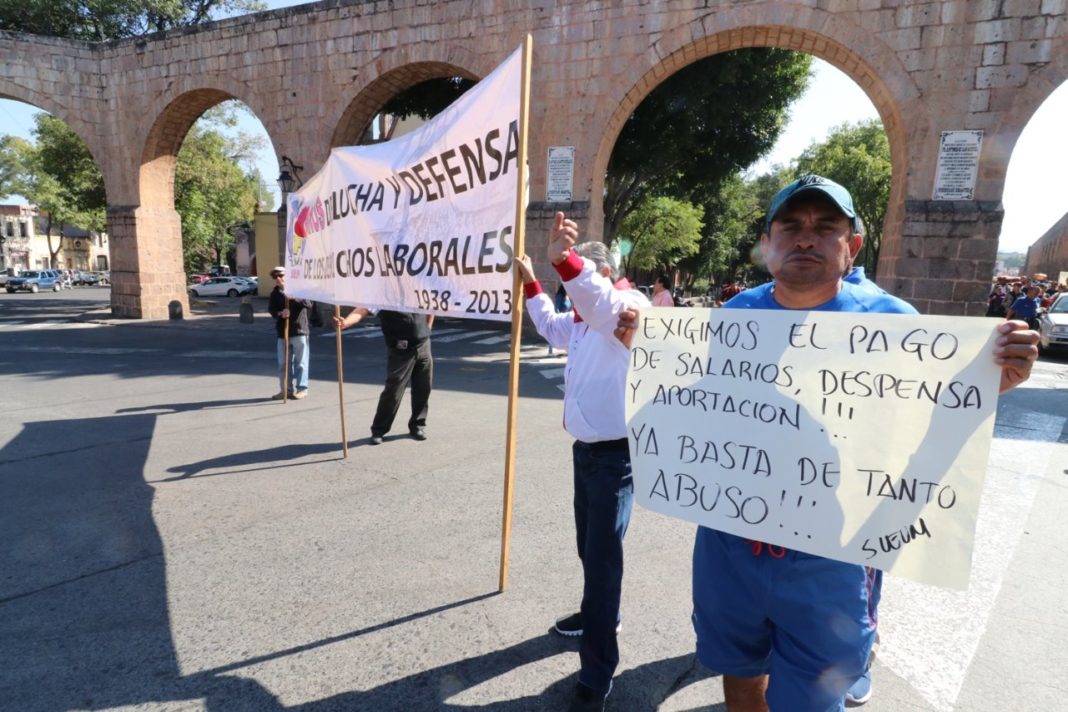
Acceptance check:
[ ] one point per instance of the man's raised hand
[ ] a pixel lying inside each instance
(562, 236)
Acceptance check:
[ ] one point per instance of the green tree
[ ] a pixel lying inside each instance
(15, 157)
(424, 100)
(102, 20)
(211, 194)
(727, 231)
(58, 175)
(1012, 260)
(661, 232)
(700, 126)
(858, 157)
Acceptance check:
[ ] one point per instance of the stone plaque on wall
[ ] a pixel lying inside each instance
(958, 165)
(560, 174)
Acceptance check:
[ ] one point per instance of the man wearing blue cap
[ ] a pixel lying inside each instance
(791, 631)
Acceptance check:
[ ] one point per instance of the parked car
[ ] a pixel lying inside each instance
(103, 278)
(86, 278)
(1053, 325)
(222, 286)
(34, 281)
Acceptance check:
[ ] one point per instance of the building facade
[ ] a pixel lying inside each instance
(16, 238)
(1049, 254)
(29, 242)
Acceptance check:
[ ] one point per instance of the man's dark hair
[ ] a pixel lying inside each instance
(664, 281)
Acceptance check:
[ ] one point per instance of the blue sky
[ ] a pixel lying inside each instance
(1034, 200)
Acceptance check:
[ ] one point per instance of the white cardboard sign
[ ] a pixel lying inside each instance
(855, 436)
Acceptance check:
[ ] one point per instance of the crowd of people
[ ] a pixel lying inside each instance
(1022, 298)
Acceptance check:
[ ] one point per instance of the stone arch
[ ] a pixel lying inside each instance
(1026, 100)
(174, 117)
(84, 130)
(813, 32)
(148, 279)
(395, 72)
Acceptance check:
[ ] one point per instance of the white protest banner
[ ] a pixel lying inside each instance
(423, 223)
(855, 436)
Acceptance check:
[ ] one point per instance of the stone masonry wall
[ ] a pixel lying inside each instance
(315, 74)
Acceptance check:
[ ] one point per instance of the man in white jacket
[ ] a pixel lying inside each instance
(594, 389)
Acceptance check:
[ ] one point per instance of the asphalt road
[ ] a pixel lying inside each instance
(174, 540)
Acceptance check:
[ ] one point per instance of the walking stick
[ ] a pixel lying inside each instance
(340, 382)
(285, 358)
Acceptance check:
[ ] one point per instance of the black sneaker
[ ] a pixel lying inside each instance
(587, 700)
(418, 434)
(571, 626)
(376, 439)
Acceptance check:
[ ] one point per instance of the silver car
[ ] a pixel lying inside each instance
(1053, 325)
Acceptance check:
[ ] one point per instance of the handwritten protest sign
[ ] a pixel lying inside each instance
(858, 437)
(423, 223)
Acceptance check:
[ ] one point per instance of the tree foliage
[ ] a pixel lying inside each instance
(424, 100)
(58, 175)
(701, 126)
(858, 157)
(211, 194)
(661, 232)
(102, 20)
(727, 232)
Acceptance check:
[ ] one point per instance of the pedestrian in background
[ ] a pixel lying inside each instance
(301, 315)
(408, 360)
(1025, 308)
(562, 304)
(662, 292)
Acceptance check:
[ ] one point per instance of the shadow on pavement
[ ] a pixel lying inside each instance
(170, 408)
(277, 456)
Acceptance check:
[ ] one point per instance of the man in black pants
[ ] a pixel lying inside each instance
(408, 342)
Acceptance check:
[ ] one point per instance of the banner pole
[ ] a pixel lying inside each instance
(285, 357)
(340, 382)
(517, 315)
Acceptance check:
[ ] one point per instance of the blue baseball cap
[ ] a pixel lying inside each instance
(813, 183)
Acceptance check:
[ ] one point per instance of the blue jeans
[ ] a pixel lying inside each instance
(298, 363)
(604, 496)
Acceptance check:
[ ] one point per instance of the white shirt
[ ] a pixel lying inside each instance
(595, 379)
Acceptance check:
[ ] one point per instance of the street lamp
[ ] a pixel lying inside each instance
(287, 180)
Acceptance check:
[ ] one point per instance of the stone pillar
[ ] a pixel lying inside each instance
(146, 262)
(941, 263)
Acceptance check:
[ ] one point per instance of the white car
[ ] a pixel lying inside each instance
(221, 287)
(1053, 325)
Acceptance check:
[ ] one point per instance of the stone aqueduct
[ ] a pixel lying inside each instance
(316, 74)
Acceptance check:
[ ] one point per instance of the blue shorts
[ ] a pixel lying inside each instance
(806, 621)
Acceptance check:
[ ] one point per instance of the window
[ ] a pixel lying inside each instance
(22, 228)
(10, 228)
